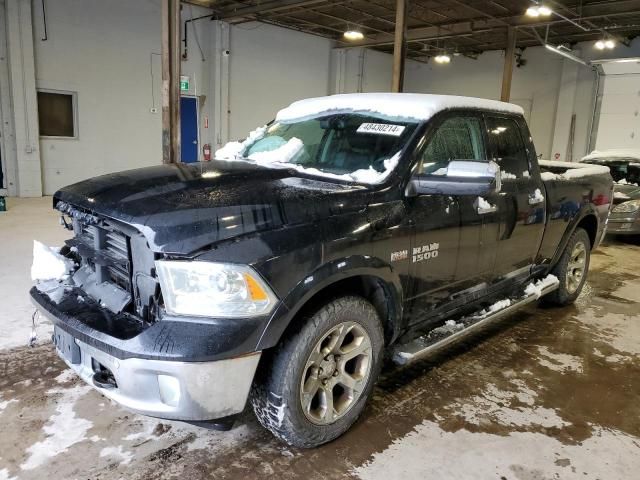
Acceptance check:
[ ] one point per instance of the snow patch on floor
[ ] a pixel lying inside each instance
(628, 292)
(5, 403)
(4, 475)
(560, 362)
(117, 453)
(520, 455)
(62, 430)
(66, 376)
(509, 408)
(616, 330)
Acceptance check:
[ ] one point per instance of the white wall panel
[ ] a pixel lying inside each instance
(271, 67)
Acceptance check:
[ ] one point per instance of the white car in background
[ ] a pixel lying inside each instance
(624, 166)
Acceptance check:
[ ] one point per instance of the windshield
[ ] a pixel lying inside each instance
(352, 146)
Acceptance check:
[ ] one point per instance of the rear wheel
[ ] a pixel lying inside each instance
(571, 269)
(321, 376)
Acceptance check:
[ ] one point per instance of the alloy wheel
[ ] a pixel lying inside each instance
(576, 267)
(336, 373)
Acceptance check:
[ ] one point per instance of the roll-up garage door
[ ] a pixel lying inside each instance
(619, 120)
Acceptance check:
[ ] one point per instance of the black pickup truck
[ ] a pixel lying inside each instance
(350, 227)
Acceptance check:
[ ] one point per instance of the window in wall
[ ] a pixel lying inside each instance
(57, 114)
(458, 138)
(508, 147)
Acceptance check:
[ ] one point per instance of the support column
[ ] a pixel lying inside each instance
(28, 167)
(399, 46)
(171, 81)
(220, 84)
(507, 73)
(562, 144)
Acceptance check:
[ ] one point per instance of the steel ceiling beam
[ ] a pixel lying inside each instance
(228, 15)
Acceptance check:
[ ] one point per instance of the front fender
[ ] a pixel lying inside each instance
(322, 278)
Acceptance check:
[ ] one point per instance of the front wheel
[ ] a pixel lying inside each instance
(320, 377)
(571, 269)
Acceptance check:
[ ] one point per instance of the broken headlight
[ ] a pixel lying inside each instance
(209, 289)
(627, 207)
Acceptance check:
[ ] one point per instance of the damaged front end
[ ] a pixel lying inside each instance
(101, 292)
(113, 265)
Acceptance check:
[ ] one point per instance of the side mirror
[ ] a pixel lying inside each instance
(462, 177)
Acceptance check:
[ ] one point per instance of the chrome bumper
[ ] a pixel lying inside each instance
(194, 391)
(621, 226)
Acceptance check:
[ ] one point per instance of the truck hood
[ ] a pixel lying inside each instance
(182, 208)
(626, 192)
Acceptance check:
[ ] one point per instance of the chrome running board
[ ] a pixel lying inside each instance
(451, 331)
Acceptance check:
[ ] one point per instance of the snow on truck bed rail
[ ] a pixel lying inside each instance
(413, 106)
(615, 154)
(573, 170)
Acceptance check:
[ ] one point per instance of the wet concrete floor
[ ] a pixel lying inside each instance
(547, 393)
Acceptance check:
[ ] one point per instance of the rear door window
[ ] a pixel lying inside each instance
(508, 147)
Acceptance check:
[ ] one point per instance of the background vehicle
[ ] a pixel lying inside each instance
(625, 170)
(351, 226)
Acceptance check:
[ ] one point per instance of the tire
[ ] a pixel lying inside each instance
(299, 364)
(570, 287)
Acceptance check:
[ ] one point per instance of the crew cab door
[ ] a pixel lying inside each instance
(523, 202)
(453, 247)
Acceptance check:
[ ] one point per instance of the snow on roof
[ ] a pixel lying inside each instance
(412, 106)
(613, 155)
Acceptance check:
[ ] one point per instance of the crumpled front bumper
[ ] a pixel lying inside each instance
(173, 370)
(192, 391)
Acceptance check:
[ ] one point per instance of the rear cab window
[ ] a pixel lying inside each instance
(508, 147)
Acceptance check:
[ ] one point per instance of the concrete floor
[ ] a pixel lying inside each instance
(548, 393)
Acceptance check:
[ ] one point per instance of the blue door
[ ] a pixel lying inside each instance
(188, 129)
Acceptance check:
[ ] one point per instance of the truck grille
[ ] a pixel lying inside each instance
(117, 267)
(108, 250)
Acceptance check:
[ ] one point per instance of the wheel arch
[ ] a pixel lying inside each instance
(587, 220)
(366, 277)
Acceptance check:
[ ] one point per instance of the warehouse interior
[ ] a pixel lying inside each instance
(95, 87)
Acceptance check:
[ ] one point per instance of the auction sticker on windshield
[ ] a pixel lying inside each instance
(381, 129)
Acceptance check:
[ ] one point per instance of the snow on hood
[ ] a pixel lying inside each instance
(412, 106)
(613, 155)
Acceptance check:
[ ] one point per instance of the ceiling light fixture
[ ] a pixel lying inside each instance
(353, 35)
(443, 58)
(536, 11)
(605, 44)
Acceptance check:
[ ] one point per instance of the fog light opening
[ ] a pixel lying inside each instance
(169, 390)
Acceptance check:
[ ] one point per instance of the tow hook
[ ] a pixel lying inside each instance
(104, 379)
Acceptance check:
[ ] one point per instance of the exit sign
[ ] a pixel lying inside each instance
(184, 83)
